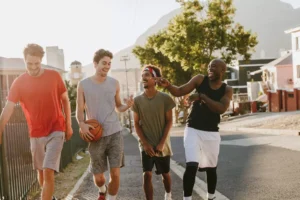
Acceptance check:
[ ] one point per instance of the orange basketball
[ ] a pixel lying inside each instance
(97, 131)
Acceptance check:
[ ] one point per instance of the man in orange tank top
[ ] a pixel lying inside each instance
(44, 99)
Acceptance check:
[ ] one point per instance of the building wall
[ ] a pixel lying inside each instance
(133, 76)
(243, 74)
(296, 57)
(284, 73)
(55, 57)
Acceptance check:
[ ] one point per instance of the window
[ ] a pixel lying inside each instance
(297, 43)
(248, 75)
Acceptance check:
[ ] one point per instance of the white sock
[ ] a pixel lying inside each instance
(168, 194)
(187, 198)
(110, 197)
(102, 189)
(210, 196)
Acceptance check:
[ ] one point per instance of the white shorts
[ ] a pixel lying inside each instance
(202, 147)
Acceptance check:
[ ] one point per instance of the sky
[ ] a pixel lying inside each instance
(79, 27)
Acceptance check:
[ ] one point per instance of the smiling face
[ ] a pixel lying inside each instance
(216, 70)
(33, 65)
(148, 80)
(103, 66)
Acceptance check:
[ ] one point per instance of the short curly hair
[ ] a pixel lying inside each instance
(100, 54)
(156, 69)
(34, 50)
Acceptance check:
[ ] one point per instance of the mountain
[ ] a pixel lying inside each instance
(268, 18)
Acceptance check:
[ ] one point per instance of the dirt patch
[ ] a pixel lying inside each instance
(289, 122)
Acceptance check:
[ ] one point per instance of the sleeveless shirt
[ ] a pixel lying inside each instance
(201, 117)
(100, 104)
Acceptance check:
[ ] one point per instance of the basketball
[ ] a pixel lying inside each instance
(97, 132)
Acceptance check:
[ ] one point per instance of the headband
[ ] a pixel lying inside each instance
(150, 69)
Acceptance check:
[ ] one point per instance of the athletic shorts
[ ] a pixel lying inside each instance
(202, 147)
(109, 148)
(46, 151)
(162, 164)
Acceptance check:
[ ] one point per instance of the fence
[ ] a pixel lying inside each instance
(283, 100)
(17, 175)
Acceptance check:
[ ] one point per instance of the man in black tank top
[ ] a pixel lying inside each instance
(201, 137)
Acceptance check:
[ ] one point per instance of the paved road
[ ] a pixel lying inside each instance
(253, 166)
(131, 179)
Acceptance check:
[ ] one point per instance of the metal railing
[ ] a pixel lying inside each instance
(16, 170)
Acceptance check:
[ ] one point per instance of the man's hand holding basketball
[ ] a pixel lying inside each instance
(85, 132)
(129, 101)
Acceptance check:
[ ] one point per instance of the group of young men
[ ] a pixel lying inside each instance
(43, 97)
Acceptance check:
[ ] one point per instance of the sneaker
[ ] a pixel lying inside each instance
(102, 195)
(212, 198)
(168, 198)
(54, 198)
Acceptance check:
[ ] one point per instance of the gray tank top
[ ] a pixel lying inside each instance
(100, 103)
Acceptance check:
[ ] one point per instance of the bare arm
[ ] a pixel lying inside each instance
(147, 148)
(80, 102)
(186, 88)
(119, 106)
(5, 116)
(218, 107)
(80, 105)
(169, 122)
(67, 110)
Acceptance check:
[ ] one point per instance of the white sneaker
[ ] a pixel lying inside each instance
(168, 197)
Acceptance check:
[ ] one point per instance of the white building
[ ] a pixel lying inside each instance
(296, 55)
(55, 57)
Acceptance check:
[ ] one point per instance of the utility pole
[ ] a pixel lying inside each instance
(125, 59)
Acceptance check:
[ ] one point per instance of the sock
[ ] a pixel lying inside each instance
(110, 197)
(102, 189)
(210, 196)
(187, 198)
(168, 194)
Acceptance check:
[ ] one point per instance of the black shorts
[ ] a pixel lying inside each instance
(162, 164)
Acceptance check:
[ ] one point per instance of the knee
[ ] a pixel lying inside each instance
(147, 176)
(99, 179)
(191, 169)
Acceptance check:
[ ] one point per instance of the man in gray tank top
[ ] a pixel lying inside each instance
(99, 97)
(153, 121)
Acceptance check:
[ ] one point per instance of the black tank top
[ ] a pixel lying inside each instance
(201, 117)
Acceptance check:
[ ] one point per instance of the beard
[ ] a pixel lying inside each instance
(34, 72)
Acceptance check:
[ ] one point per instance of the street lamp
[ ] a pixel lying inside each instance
(125, 59)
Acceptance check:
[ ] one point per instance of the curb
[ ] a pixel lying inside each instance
(263, 131)
(77, 185)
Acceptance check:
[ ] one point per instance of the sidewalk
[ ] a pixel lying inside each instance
(247, 124)
(131, 187)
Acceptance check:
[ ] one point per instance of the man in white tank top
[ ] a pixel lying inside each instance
(99, 97)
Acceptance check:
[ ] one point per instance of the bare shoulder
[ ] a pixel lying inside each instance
(228, 91)
(198, 79)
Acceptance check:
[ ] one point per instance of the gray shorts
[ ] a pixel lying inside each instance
(109, 148)
(46, 151)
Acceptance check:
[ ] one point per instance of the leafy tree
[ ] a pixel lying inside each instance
(72, 93)
(203, 31)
